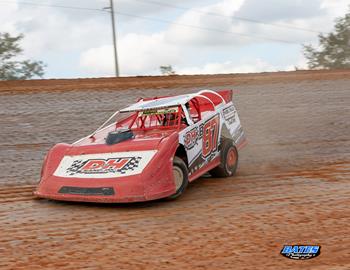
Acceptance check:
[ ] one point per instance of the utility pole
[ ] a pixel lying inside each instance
(111, 8)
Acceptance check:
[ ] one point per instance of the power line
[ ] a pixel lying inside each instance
(287, 26)
(204, 28)
(158, 20)
(55, 6)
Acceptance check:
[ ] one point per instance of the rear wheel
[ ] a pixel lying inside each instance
(229, 160)
(180, 173)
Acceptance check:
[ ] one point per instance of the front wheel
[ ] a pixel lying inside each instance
(180, 173)
(229, 160)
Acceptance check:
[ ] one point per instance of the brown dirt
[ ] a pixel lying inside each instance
(292, 186)
(151, 82)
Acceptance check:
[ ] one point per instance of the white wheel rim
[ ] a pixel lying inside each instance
(178, 177)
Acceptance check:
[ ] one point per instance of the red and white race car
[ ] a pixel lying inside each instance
(153, 150)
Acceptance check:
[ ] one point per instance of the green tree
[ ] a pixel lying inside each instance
(12, 69)
(334, 48)
(167, 70)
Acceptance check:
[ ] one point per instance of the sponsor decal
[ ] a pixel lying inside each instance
(103, 166)
(207, 132)
(300, 252)
(107, 165)
(191, 138)
(229, 114)
(159, 111)
(202, 143)
(238, 134)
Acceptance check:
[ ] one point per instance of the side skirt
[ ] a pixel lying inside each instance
(215, 162)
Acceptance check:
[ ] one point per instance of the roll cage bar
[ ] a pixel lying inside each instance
(182, 106)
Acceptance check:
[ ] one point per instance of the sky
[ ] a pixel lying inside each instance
(74, 38)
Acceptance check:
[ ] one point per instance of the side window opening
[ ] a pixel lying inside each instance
(157, 118)
(193, 109)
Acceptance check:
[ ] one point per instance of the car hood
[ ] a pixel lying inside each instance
(93, 160)
(142, 140)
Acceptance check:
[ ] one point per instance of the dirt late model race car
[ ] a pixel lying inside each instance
(153, 150)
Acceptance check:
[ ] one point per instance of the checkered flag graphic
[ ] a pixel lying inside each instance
(76, 166)
(130, 166)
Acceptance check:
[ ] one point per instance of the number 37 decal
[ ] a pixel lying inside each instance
(210, 135)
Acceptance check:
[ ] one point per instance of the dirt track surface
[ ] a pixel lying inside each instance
(292, 186)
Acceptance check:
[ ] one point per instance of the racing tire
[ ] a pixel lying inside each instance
(229, 161)
(180, 173)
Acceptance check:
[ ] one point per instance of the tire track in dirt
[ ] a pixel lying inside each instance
(292, 184)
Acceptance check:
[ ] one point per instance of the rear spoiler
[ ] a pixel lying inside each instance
(226, 94)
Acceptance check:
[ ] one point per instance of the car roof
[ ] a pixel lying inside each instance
(159, 103)
(166, 102)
